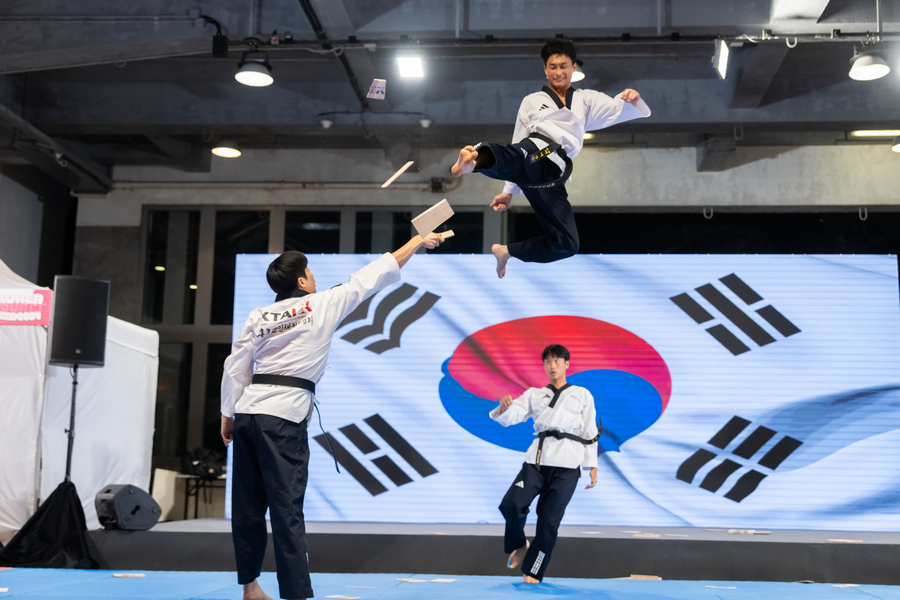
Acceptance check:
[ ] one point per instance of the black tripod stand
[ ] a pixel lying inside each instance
(71, 430)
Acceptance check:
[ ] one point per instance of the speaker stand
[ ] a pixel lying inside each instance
(71, 429)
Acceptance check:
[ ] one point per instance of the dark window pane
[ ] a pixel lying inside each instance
(171, 267)
(382, 231)
(212, 409)
(313, 232)
(363, 244)
(726, 233)
(237, 232)
(468, 228)
(172, 399)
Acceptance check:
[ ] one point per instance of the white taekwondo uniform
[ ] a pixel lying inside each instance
(292, 337)
(584, 110)
(573, 413)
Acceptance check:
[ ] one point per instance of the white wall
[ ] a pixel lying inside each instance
(21, 213)
(805, 177)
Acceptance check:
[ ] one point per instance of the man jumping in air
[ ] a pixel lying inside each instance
(549, 132)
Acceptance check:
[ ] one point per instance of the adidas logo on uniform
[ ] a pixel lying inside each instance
(543, 106)
(520, 484)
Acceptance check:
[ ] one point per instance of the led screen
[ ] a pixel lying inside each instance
(734, 391)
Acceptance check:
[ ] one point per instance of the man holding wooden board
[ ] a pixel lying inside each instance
(549, 132)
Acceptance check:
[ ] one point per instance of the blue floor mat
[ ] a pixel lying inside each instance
(54, 584)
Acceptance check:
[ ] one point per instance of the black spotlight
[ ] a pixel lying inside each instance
(126, 507)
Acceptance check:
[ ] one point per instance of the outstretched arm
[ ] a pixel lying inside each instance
(403, 254)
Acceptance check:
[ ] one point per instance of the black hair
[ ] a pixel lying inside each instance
(561, 45)
(557, 351)
(284, 271)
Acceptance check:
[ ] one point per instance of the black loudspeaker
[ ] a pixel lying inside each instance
(78, 329)
(126, 507)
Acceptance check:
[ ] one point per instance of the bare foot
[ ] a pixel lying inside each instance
(530, 579)
(516, 556)
(252, 591)
(501, 253)
(466, 162)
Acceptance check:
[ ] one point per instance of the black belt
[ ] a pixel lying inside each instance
(303, 384)
(285, 380)
(552, 147)
(560, 435)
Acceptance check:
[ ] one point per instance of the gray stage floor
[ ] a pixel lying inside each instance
(569, 531)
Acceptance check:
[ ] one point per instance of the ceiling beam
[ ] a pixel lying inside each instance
(714, 153)
(757, 76)
(79, 173)
(31, 60)
(192, 158)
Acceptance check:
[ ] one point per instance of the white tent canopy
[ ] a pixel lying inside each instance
(114, 416)
(22, 366)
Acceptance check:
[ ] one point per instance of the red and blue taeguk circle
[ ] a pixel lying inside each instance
(628, 378)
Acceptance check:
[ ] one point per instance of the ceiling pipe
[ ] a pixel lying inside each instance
(323, 37)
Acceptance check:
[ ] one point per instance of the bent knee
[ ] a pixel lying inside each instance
(568, 248)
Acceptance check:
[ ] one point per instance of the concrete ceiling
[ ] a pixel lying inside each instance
(106, 83)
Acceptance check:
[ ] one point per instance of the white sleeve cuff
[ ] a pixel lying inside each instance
(511, 188)
(630, 111)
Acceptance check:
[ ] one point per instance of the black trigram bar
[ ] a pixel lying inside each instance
(691, 308)
(390, 468)
(384, 308)
(359, 313)
(754, 442)
(404, 320)
(359, 439)
(735, 314)
(780, 452)
(728, 339)
(741, 289)
(352, 466)
(730, 431)
(745, 486)
(402, 447)
(715, 478)
(778, 321)
(694, 463)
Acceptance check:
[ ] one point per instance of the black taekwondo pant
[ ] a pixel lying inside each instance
(551, 204)
(270, 470)
(555, 485)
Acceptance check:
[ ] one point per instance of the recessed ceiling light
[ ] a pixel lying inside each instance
(588, 136)
(227, 149)
(410, 66)
(896, 145)
(254, 72)
(578, 75)
(875, 133)
(159, 268)
(868, 65)
(193, 286)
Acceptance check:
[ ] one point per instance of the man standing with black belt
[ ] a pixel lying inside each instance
(565, 423)
(549, 133)
(266, 413)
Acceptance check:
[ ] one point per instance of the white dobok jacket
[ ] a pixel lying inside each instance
(573, 413)
(292, 337)
(585, 110)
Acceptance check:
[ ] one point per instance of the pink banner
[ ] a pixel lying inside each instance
(24, 307)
